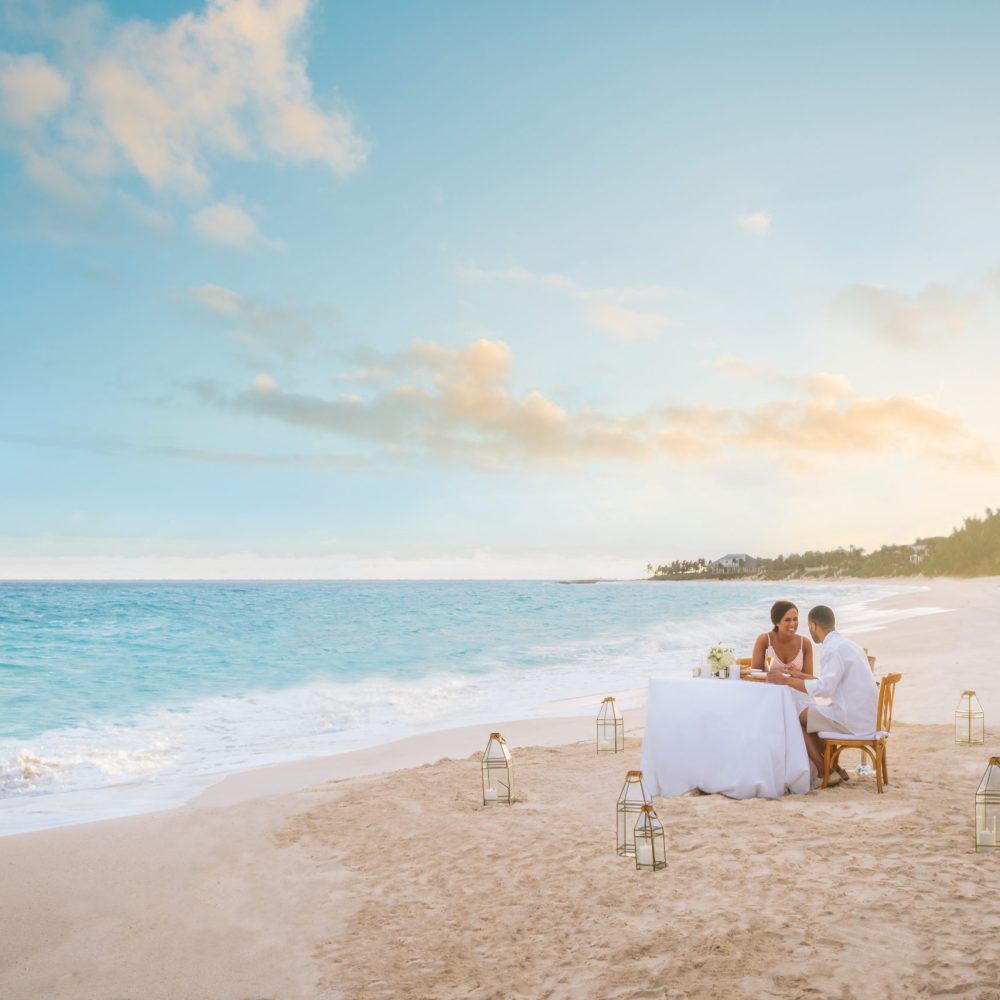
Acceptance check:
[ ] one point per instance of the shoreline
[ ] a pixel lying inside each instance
(378, 873)
(142, 798)
(461, 741)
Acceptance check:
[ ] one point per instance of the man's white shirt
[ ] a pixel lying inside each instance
(846, 679)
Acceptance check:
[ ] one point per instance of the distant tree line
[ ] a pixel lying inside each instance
(970, 550)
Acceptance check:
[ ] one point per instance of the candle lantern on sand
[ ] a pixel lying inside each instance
(610, 728)
(630, 803)
(650, 844)
(498, 772)
(988, 808)
(969, 720)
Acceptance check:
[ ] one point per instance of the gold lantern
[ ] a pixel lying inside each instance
(969, 720)
(988, 808)
(650, 844)
(498, 772)
(630, 803)
(610, 728)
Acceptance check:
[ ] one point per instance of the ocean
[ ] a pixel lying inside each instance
(117, 698)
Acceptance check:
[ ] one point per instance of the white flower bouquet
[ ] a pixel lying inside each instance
(719, 660)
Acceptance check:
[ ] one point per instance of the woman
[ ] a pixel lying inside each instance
(782, 644)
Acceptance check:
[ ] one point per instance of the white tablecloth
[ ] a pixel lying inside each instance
(734, 737)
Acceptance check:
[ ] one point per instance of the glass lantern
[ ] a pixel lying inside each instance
(969, 720)
(988, 808)
(498, 772)
(610, 728)
(630, 803)
(650, 845)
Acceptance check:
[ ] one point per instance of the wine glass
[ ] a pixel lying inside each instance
(768, 660)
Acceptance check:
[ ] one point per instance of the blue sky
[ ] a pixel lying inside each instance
(453, 290)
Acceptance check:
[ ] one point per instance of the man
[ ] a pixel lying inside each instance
(845, 678)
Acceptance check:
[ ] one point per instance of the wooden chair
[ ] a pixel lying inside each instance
(870, 744)
(744, 664)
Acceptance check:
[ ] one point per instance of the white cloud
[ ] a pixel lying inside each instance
(625, 323)
(734, 367)
(260, 329)
(228, 225)
(937, 313)
(456, 405)
(603, 308)
(755, 222)
(218, 299)
(162, 101)
(30, 89)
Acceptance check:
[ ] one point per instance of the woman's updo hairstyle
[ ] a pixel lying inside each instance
(778, 611)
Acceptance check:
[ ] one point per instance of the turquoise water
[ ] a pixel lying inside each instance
(114, 685)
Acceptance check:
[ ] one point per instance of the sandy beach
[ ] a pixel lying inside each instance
(380, 874)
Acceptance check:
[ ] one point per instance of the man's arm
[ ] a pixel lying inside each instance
(822, 686)
(790, 677)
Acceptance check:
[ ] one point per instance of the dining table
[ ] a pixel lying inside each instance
(733, 737)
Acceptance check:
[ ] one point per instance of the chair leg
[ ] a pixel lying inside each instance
(885, 765)
(879, 764)
(827, 760)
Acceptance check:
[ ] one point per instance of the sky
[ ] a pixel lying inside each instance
(460, 290)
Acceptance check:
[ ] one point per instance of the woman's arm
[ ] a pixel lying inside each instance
(757, 658)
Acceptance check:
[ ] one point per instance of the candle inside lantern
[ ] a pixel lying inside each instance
(644, 852)
(605, 743)
(490, 795)
(986, 836)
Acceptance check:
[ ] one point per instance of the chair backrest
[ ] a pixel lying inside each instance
(886, 694)
(744, 661)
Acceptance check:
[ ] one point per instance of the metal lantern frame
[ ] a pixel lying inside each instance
(650, 842)
(610, 728)
(497, 772)
(630, 802)
(970, 721)
(988, 808)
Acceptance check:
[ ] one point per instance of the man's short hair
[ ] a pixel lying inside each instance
(823, 616)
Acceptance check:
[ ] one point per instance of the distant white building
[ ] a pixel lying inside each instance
(733, 563)
(917, 553)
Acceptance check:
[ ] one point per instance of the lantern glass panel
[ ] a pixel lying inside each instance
(988, 808)
(650, 843)
(497, 772)
(630, 802)
(610, 728)
(970, 725)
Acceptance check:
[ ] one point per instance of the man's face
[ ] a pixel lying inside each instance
(817, 636)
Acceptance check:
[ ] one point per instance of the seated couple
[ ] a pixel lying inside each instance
(845, 677)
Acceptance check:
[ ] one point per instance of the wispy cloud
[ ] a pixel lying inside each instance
(163, 101)
(229, 225)
(30, 89)
(193, 453)
(455, 405)
(755, 222)
(607, 309)
(734, 367)
(936, 314)
(256, 326)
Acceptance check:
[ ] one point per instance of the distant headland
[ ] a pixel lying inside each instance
(971, 550)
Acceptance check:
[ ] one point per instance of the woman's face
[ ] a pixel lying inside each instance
(789, 625)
